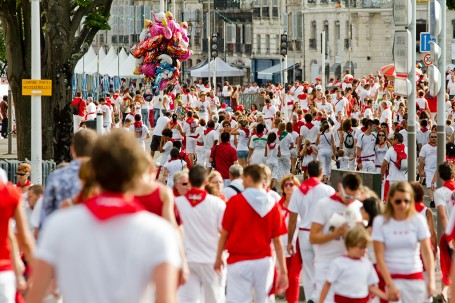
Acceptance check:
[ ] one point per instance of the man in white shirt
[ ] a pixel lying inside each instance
(340, 103)
(303, 202)
(364, 93)
(386, 116)
(443, 195)
(90, 109)
(202, 214)
(332, 217)
(236, 185)
(107, 115)
(366, 153)
(297, 89)
(269, 112)
(202, 106)
(428, 163)
(214, 101)
(157, 132)
(309, 130)
(33, 209)
(451, 86)
(140, 131)
(390, 163)
(226, 93)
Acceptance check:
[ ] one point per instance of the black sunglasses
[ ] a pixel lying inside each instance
(399, 201)
(381, 135)
(184, 184)
(21, 174)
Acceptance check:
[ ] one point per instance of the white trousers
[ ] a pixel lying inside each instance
(321, 271)
(325, 156)
(245, 276)
(203, 285)
(411, 291)
(7, 287)
(284, 163)
(76, 121)
(200, 155)
(307, 254)
(349, 152)
(368, 166)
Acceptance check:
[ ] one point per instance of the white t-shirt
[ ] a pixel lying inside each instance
(160, 125)
(451, 88)
(157, 103)
(285, 143)
(310, 134)
(443, 197)
(139, 132)
(325, 211)
(229, 192)
(325, 141)
(367, 144)
(340, 105)
(107, 112)
(421, 102)
(386, 115)
(210, 138)
(401, 238)
(304, 205)
(165, 156)
(243, 140)
(109, 261)
(429, 153)
(172, 167)
(201, 226)
(269, 112)
(352, 277)
(203, 108)
(91, 111)
(394, 173)
(423, 137)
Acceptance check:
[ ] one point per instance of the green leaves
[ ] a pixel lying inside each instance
(450, 4)
(97, 20)
(83, 3)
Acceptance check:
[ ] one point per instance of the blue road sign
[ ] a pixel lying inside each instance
(425, 39)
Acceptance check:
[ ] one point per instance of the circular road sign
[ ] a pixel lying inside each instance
(427, 59)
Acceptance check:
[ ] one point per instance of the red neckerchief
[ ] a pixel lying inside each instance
(286, 210)
(352, 258)
(260, 135)
(308, 184)
(337, 198)
(419, 206)
(247, 132)
(190, 120)
(432, 144)
(363, 129)
(309, 125)
(173, 158)
(196, 196)
(386, 107)
(186, 93)
(131, 113)
(207, 86)
(318, 118)
(28, 183)
(268, 106)
(175, 192)
(424, 129)
(109, 205)
(209, 129)
(115, 96)
(450, 184)
(401, 155)
(309, 151)
(138, 124)
(271, 146)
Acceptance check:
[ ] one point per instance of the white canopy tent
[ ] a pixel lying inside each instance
(86, 62)
(107, 61)
(127, 67)
(113, 66)
(222, 70)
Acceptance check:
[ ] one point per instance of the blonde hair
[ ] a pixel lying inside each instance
(214, 174)
(287, 178)
(402, 187)
(24, 168)
(357, 236)
(180, 174)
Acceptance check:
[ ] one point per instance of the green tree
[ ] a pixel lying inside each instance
(450, 4)
(64, 40)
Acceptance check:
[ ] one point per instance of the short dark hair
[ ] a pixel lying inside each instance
(399, 137)
(419, 191)
(446, 171)
(177, 144)
(167, 132)
(314, 168)
(308, 118)
(211, 123)
(137, 117)
(260, 128)
(117, 169)
(83, 142)
(167, 114)
(174, 152)
(255, 172)
(197, 175)
(225, 137)
(37, 189)
(352, 181)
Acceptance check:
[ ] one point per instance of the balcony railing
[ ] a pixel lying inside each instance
(369, 3)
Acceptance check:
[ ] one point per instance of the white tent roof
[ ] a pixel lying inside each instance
(113, 66)
(222, 70)
(107, 61)
(86, 61)
(101, 53)
(268, 73)
(127, 67)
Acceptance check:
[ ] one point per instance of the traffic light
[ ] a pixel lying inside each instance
(284, 44)
(214, 46)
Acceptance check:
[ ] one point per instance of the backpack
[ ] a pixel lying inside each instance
(238, 191)
(76, 108)
(349, 140)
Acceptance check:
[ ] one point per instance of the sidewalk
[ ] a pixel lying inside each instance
(4, 149)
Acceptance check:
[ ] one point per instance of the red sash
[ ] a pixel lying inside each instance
(414, 276)
(342, 299)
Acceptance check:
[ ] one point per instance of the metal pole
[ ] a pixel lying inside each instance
(10, 121)
(36, 154)
(323, 60)
(214, 59)
(349, 34)
(208, 41)
(173, 7)
(281, 70)
(285, 70)
(161, 5)
(441, 156)
(293, 69)
(224, 39)
(412, 109)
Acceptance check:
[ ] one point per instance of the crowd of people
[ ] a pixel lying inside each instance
(215, 212)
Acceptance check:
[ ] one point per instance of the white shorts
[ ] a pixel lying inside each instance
(321, 271)
(244, 276)
(429, 174)
(7, 287)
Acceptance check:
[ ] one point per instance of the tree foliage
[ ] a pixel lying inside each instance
(64, 40)
(450, 4)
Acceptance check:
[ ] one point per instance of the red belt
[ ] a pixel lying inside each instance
(268, 118)
(304, 229)
(91, 113)
(199, 144)
(343, 299)
(414, 276)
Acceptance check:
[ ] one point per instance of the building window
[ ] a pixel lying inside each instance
(267, 44)
(258, 43)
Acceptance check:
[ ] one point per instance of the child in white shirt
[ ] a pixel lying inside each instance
(353, 276)
(342, 160)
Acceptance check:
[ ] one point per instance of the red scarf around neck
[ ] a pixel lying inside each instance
(196, 196)
(309, 125)
(247, 132)
(270, 146)
(450, 184)
(106, 206)
(308, 184)
(28, 183)
(138, 124)
(419, 206)
(208, 130)
(190, 120)
(260, 135)
(424, 129)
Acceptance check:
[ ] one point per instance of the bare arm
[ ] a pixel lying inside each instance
(23, 233)
(384, 167)
(442, 216)
(380, 262)
(421, 166)
(165, 278)
(219, 263)
(434, 237)
(428, 260)
(291, 230)
(324, 292)
(42, 275)
(282, 281)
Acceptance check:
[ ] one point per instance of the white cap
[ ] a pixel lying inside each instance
(318, 87)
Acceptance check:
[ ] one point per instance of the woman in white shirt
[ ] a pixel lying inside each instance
(399, 235)
(326, 149)
(175, 164)
(243, 134)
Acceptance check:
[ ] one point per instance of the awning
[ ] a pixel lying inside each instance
(267, 74)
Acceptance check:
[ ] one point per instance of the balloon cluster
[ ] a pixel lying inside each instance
(163, 46)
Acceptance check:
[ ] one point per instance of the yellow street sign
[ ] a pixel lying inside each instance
(36, 87)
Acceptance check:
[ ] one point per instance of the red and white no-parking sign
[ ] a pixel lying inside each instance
(427, 60)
